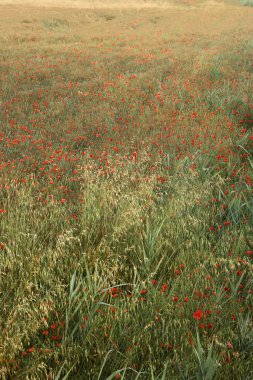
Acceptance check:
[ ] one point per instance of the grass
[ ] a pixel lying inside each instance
(248, 3)
(126, 193)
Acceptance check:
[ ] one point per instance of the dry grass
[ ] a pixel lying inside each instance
(32, 25)
(118, 3)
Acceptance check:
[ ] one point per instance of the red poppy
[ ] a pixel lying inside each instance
(230, 345)
(164, 287)
(198, 314)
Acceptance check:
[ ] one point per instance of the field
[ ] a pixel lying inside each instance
(126, 208)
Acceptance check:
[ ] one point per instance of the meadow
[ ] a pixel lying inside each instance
(126, 208)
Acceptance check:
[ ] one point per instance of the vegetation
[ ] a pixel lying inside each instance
(126, 208)
(247, 3)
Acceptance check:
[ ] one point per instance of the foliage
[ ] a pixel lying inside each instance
(126, 194)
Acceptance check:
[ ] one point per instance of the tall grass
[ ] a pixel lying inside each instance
(126, 196)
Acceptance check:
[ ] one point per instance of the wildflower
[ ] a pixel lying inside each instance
(228, 359)
(229, 345)
(56, 337)
(198, 314)
(164, 288)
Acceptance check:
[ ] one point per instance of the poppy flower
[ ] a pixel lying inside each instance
(164, 287)
(198, 314)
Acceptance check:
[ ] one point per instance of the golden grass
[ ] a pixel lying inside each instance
(26, 21)
(116, 3)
